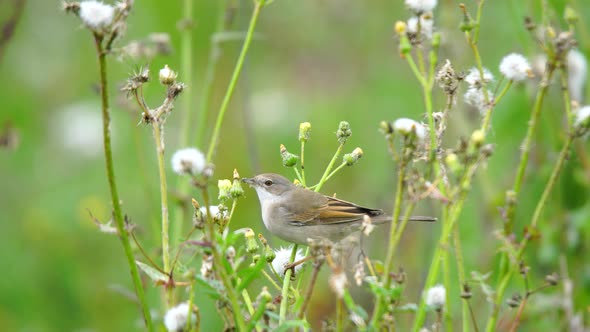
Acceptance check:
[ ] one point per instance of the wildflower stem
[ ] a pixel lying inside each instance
(234, 79)
(158, 138)
(540, 204)
(191, 300)
(339, 315)
(187, 70)
(303, 163)
(214, 55)
(335, 171)
(401, 226)
(314, 277)
(386, 280)
(526, 147)
(108, 153)
(449, 220)
(163, 193)
(478, 21)
(219, 268)
(415, 70)
(465, 314)
(285, 290)
(329, 168)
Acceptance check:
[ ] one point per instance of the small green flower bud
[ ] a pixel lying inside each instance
(265, 295)
(570, 15)
(400, 27)
(167, 76)
(436, 39)
(343, 132)
(236, 188)
(477, 138)
(255, 259)
(453, 163)
(224, 187)
(251, 244)
(289, 159)
(304, 131)
(404, 45)
(351, 158)
(269, 254)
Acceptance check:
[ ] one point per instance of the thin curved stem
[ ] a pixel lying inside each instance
(234, 79)
(118, 214)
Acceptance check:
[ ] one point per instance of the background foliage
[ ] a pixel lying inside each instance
(316, 61)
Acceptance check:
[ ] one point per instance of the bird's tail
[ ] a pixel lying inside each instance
(385, 219)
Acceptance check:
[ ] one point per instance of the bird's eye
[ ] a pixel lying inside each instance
(268, 183)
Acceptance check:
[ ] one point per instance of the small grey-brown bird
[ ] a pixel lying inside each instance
(296, 214)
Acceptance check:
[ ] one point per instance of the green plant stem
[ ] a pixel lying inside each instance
(219, 268)
(187, 70)
(492, 321)
(449, 220)
(158, 138)
(397, 205)
(234, 79)
(285, 290)
(214, 55)
(339, 315)
(326, 174)
(401, 226)
(314, 277)
(526, 147)
(535, 219)
(341, 166)
(386, 280)
(446, 272)
(478, 21)
(187, 111)
(465, 312)
(163, 194)
(303, 163)
(118, 214)
(191, 300)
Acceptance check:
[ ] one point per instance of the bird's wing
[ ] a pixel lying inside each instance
(332, 211)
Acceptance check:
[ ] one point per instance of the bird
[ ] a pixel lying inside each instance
(297, 214)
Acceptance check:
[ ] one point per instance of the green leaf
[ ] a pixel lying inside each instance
(152, 273)
(213, 288)
(290, 325)
(250, 273)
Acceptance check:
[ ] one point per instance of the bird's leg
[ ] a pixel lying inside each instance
(293, 265)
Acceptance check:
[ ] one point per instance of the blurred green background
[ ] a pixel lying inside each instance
(317, 61)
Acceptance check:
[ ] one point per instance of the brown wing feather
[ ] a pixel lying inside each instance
(334, 211)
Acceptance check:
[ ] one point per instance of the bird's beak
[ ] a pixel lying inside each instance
(249, 181)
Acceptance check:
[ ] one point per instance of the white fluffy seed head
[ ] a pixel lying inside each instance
(167, 76)
(176, 318)
(405, 126)
(283, 257)
(515, 67)
(436, 296)
(338, 282)
(188, 161)
(582, 116)
(96, 15)
(420, 6)
(426, 25)
(474, 78)
(577, 71)
(216, 214)
(476, 98)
